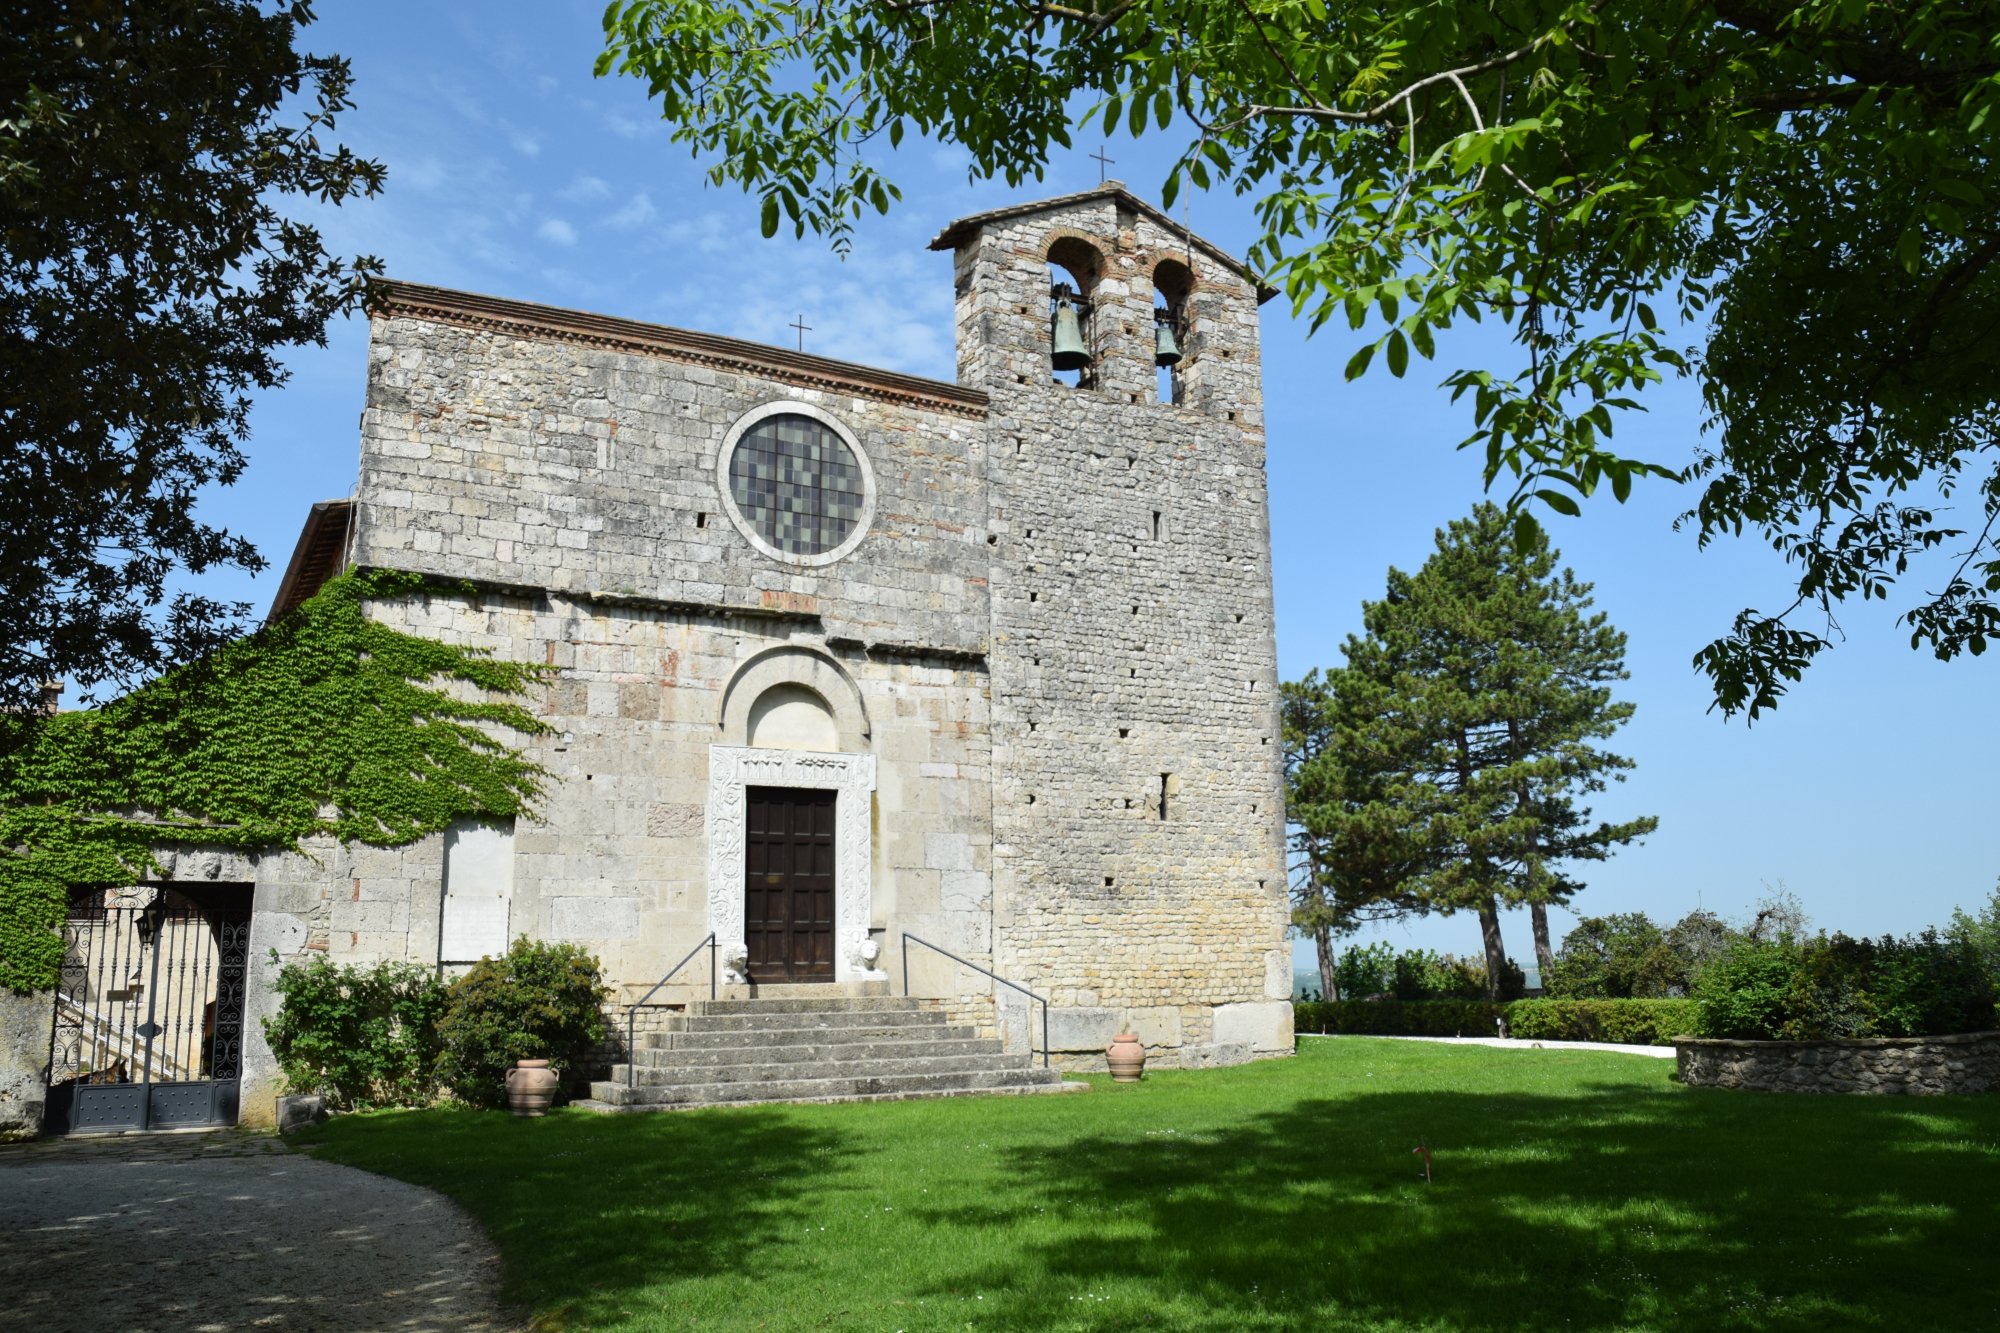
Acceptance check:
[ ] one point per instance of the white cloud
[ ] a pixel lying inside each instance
(418, 171)
(707, 232)
(558, 231)
(527, 145)
(582, 189)
(624, 126)
(637, 213)
(879, 308)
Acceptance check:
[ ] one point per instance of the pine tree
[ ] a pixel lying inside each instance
(1348, 864)
(1465, 720)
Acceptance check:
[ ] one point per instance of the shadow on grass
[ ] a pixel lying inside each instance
(1282, 1196)
(589, 1211)
(1615, 1208)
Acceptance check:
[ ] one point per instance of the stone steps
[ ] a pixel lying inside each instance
(762, 1020)
(839, 1066)
(806, 1052)
(858, 1004)
(814, 1048)
(757, 1038)
(819, 1089)
(607, 1108)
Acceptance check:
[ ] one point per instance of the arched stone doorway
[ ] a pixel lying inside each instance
(789, 824)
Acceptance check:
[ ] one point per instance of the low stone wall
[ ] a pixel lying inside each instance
(1923, 1066)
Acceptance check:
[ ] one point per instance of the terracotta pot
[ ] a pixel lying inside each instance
(531, 1087)
(1127, 1058)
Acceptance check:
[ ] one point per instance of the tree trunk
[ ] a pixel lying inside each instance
(1496, 952)
(1538, 913)
(1329, 989)
(1545, 957)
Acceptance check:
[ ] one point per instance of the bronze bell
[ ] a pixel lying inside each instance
(1067, 351)
(1166, 351)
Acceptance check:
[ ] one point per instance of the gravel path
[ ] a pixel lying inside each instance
(1523, 1044)
(217, 1232)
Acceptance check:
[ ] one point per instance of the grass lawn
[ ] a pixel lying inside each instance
(1571, 1190)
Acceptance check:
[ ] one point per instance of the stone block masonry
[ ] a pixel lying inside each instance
(1137, 796)
(1041, 659)
(1915, 1066)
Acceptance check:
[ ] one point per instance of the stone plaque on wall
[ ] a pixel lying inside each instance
(478, 891)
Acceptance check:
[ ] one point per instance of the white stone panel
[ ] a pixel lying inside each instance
(478, 892)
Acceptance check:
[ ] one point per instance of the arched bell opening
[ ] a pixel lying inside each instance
(1074, 265)
(1172, 281)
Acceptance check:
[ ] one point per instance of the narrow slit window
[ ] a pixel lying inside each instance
(1165, 778)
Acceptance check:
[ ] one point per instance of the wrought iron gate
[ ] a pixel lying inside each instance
(149, 1009)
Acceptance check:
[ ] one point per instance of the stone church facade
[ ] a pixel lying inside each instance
(987, 663)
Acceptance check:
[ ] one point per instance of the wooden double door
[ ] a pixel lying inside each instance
(789, 880)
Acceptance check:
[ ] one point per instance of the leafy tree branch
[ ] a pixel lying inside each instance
(1788, 202)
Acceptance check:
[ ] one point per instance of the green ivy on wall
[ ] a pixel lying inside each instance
(323, 724)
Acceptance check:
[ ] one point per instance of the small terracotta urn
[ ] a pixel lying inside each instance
(1127, 1058)
(531, 1087)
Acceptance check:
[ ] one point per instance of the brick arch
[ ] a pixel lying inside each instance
(1174, 277)
(1064, 246)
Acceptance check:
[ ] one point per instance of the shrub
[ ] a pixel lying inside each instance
(1630, 1022)
(1696, 940)
(1605, 957)
(359, 1036)
(1750, 992)
(537, 1001)
(1832, 986)
(1980, 935)
(1625, 1022)
(1626, 956)
(1398, 1018)
(1378, 969)
(1364, 970)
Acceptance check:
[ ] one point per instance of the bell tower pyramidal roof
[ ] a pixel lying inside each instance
(955, 233)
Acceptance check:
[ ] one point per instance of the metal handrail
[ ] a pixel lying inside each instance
(632, 1013)
(967, 962)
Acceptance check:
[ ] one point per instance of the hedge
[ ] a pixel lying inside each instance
(1626, 1022)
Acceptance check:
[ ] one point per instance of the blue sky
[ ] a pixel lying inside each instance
(512, 171)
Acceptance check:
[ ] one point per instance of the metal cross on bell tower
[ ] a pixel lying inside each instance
(803, 328)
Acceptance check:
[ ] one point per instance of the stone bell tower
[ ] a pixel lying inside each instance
(1138, 824)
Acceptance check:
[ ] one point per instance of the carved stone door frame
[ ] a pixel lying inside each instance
(734, 768)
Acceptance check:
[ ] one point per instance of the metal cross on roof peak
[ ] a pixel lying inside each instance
(1102, 162)
(803, 328)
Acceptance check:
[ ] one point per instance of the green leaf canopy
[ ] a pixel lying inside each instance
(1810, 188)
